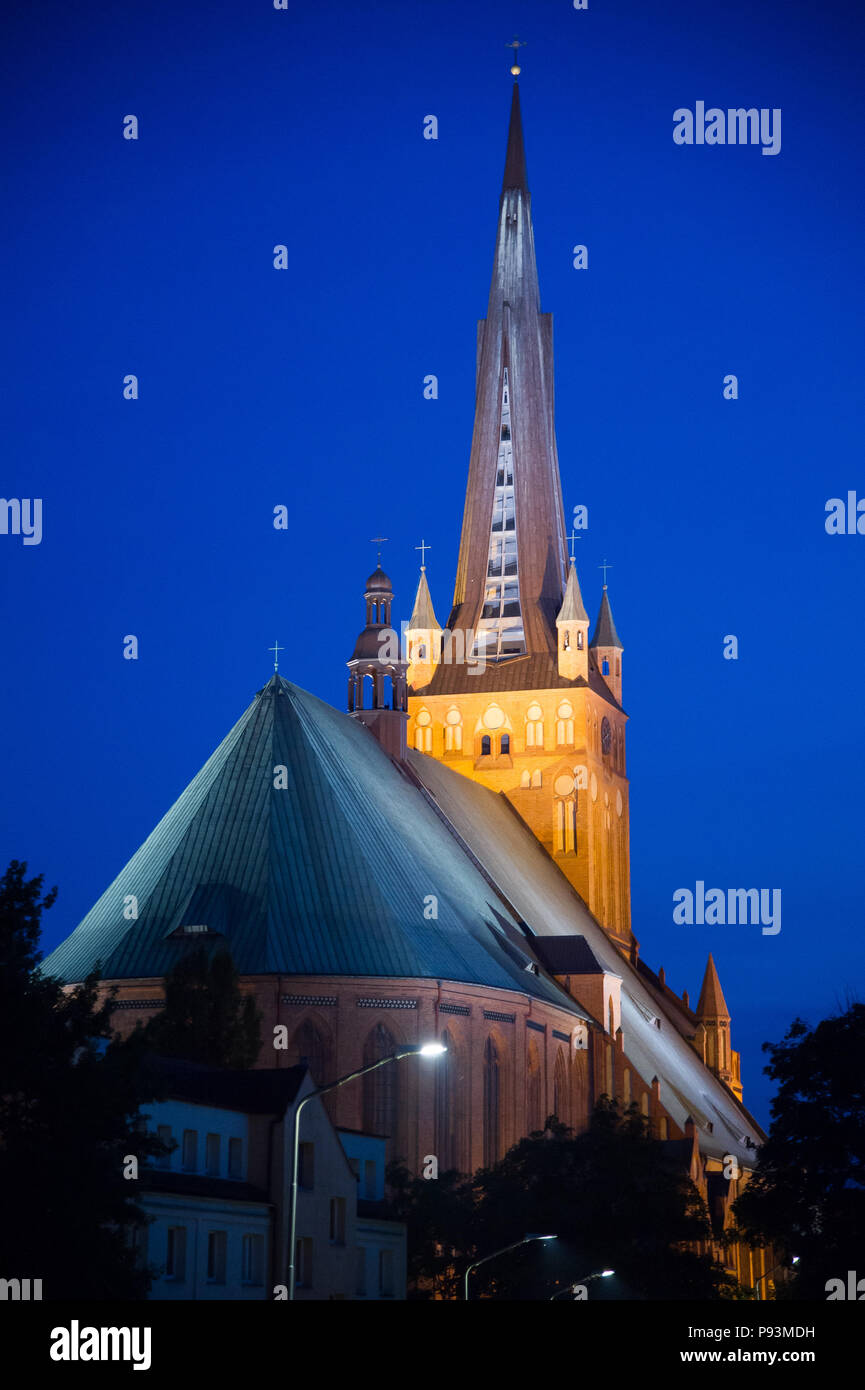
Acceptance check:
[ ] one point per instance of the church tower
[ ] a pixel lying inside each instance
(519, 698)
(377, 694)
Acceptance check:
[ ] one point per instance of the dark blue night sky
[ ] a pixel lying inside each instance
(305, 387)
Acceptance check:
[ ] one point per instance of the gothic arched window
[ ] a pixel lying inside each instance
(561, 1098)
(308, 1045)
(381, 1087)
(534, 1100)
(506, 743)
(448, 1103)
(485, 746)
(492, 1103)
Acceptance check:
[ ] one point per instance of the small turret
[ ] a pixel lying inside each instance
(607, 649)
(377, 694)
(712, 1038)
(424, 637)
(572, 626)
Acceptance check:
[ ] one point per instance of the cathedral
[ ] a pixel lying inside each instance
(448, 859)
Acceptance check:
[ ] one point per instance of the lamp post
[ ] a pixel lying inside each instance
(432, 1049)
(504, 1250)
(755, 1288)
(586, 1279)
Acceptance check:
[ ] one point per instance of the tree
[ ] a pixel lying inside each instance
(614, 1197)
(69, 1108)
(206, 1017)
(807, 1194)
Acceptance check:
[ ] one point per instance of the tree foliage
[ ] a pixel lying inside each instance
(614, 1197)
(206, 1016)
(69, 1103)
(807, 1195)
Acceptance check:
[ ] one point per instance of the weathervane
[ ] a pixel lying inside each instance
(276, 649)
(515, 44)
(379, 541)
(423, 548)
(605, 567)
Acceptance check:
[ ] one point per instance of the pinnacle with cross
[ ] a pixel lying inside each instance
(379, 541)
(276, 649)
(423, 548)
(516, 44)
(572, 540)
(605, 567)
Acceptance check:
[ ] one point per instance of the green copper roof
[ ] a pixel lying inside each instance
(329, 874)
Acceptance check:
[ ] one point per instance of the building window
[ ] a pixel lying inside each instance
(360, 1280)
(453, 738)
(212, 1155)
(533, 1091)
(253, 1260)
(217, 1247)
(309, 1048)
(385, 1273)
(369, 1179)
(505, 745)
(381, 1088)
(605, 667)
(561, 1097)
(448, 1109)
(525, 779)
(306, 1166)
(190, 1150)
(579, 641)
(303, 1263)
(337, 1221)
(492, 1099)
(175, 1253)
(485, 746)
(534, 733)
(566, 826)
(565, 732)
(235, 1158)
(536, 778)
(164, 1133)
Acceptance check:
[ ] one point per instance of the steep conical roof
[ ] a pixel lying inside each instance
(573, 610)
(605, 634)
(423, 615)
(712, 1003)
(307, 849)
(515, 158)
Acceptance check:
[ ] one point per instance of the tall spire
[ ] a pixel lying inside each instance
(712, 1003)
(513, 553)
(515, 158)
(605, 634)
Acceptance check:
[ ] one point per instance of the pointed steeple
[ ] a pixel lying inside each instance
(423, 614)
(573, 609)
(605, 634)
(513, 554)
(424, 637)
(515, 157)
(712, 1038)
(377, 694)
(712, 1003)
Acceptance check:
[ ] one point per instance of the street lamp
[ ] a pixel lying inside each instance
(755, 1288)
(430, 1049)
(586, 1279)
(504, 1250)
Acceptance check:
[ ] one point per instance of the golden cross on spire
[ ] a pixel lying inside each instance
(516, 44)
(379, 541)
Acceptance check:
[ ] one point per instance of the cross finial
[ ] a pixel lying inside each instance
(276, 649)
(516, 44)
(379, 541)
(605, 567)
(572, 540)
(423, 548)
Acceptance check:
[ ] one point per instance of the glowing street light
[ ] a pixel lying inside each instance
(532, 1235)
(428, 1049)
